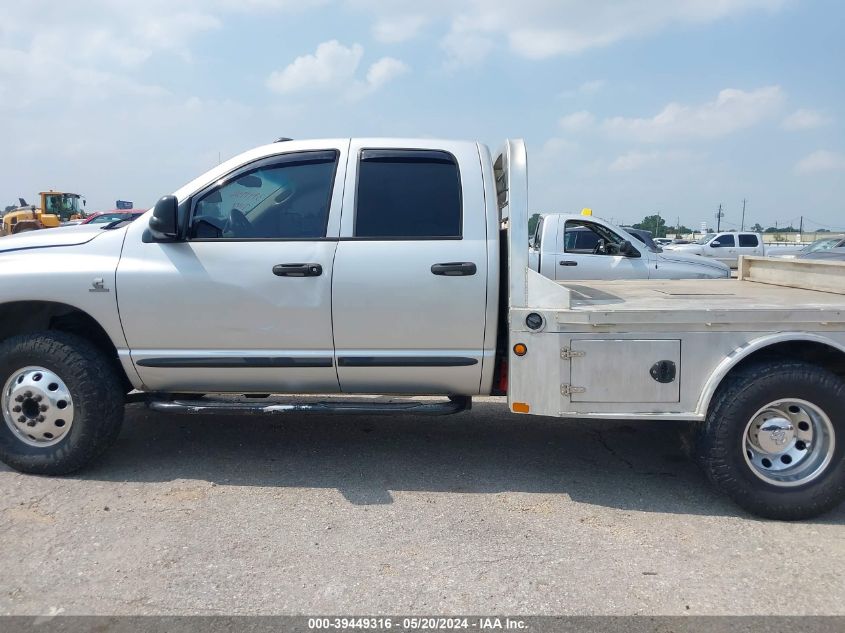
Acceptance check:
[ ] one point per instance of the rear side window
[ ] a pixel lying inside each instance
(748, 240)
(408, 194)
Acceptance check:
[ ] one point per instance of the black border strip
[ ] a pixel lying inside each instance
(405, 361)
(234, 362)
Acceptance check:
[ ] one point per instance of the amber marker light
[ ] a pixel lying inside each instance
(520, 407)
(520, 350)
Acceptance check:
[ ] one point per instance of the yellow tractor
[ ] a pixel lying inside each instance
(56, 207)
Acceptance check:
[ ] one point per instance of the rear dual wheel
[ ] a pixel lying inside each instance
(774, 439)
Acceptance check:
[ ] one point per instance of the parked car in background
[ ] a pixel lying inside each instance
(662, 241)
(725, 247)
(820, 245)
(834, 254)
(104, 217)
(587, 247)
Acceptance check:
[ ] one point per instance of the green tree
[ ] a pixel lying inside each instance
(653, 223)
(679, 230)
(757, 228)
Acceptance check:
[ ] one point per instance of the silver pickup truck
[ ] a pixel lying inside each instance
(400, 266)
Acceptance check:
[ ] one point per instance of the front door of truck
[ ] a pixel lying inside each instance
(723, 248)
(244, 302)
(588, 250)
(410, 274)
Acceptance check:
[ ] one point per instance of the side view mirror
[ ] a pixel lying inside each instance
(715, 244)
(164, 225)
(627, 249)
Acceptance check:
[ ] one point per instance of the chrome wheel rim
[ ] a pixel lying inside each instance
(789, 442)
(37, 406)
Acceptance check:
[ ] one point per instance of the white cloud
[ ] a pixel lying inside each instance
(577, 121)
(538, 29)
(821, 160)
(634, 160)
(333, 67)
(384, 70)
(399, 29)
(464, 46)
(805, 120)
(587, 88)
(732, 110)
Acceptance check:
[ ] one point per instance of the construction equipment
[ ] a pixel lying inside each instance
(56, 207)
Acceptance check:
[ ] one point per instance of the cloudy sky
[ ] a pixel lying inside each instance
(628, 106)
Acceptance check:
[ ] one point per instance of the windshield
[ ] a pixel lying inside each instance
(822, 244)
(110, 217)
(705, 238)
(63, 205)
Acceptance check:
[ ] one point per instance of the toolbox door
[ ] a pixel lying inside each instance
(617, 370)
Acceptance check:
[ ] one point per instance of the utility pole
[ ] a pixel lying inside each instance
(719, 215)
(742, 228)
(801, 230)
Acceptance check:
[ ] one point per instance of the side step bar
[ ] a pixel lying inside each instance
(455, 404)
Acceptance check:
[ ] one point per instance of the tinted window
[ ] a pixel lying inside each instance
(748, 240)
(288, 198)
(408, 194)
(590, 238)
(724, 240)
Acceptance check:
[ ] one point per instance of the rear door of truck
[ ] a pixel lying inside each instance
(410, 274)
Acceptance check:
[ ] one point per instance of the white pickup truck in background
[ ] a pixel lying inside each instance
(347, 267)
(587, 247)
(724, 247)
(728, 246)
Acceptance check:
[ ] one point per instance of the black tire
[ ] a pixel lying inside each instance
(720, 443)
(97, 395)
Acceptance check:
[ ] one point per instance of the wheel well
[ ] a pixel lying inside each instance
(27, 317)
(826, 356)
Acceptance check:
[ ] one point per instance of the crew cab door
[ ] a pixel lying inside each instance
(410, 273)
(723, 247)
(243, 301)
(749, 244)
(588, 250)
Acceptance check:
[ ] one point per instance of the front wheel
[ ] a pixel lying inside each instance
(774, 440)
(61, 403)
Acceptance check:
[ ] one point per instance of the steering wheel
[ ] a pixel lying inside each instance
(237, 225)
(600, 248)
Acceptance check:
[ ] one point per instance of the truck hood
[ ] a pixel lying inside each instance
(686, 257)
(47, 238)
(686, 249)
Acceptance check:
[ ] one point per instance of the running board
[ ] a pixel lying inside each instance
(455, 404)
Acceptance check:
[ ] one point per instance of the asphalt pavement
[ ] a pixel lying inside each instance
(482, 512)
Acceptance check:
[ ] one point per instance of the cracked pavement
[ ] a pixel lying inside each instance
(483, 512)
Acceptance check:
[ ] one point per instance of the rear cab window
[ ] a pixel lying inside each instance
(408, 194)
(748, 241)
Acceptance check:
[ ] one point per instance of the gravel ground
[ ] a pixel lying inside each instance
(477, 513)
